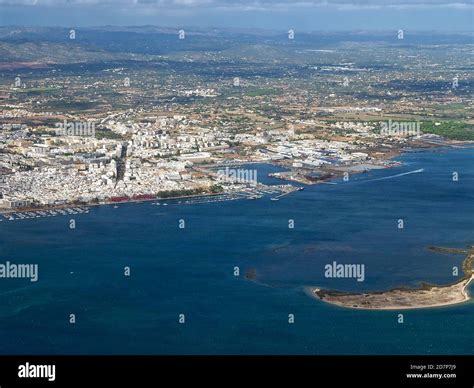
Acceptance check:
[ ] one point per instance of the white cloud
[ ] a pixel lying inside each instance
(254, 4)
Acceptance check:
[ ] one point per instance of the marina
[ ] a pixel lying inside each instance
(246, 193)
(251, 193)
(43, 213)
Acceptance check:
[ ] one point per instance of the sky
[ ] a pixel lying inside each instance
(304, 15)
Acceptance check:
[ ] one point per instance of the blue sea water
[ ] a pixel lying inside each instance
(190, 271)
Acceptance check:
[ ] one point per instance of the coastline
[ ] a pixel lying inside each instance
(105, 203)
(426, 296)
(232, 195)
(462, 297)
(331, 173)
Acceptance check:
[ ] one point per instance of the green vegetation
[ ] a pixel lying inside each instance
(42, 132)
(216, 189)
(72, 105)
(37, 91)
(261, 92)
(107, 134)
(467, 264)
(454, 130)
(188, 192)
(178, 193)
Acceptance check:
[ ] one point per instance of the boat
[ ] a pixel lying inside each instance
(274, 199)
(115, 207)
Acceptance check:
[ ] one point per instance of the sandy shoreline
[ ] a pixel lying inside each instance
(426, 296)
(406, 298)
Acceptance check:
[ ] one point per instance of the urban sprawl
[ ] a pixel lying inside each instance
(90, 126)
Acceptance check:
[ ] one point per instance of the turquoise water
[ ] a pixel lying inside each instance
(191, 271)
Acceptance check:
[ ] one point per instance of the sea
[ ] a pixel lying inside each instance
(232, 277)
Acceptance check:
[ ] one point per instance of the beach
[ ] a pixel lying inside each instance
(426, 296)
(402, 299)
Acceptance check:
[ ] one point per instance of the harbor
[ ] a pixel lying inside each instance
(249, 193)
(65, 211)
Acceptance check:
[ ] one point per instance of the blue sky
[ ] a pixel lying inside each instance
(444, 15)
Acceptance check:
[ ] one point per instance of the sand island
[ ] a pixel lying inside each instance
(427, 295)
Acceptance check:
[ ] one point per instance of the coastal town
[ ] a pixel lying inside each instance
(166, 155)
(118, 134)
(236, 178)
